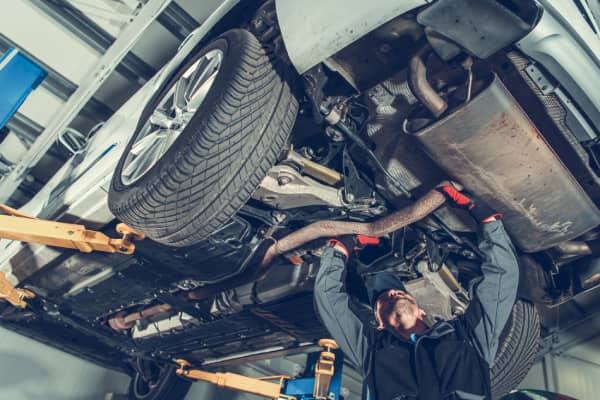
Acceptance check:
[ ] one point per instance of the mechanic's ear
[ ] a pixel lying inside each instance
(380, 326)
(422, 313)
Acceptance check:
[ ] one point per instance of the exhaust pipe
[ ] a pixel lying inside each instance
(417, 80)
(388, 224)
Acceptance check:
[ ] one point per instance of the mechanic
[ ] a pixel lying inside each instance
(406, 356)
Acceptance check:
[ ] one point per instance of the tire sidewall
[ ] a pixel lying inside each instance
(170, 387)
(230, 46)
(521, 361)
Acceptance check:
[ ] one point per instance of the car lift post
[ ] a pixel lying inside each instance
(322, 379)
(22, 227)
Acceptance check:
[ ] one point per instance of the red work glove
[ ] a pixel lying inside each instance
(348, 244)
(475, 206)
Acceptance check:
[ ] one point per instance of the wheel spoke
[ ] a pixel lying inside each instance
(159, 118)
(179, 100)
(201, 93)
(169, 138)
(171, 116)
(195, 74)
(145, 143)
(202, 80)
(144, 155)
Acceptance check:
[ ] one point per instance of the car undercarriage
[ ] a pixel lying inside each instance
(373, 130)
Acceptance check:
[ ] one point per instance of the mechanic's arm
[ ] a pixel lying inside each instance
(333, 306)
(495, 294)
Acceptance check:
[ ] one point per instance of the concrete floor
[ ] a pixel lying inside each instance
(30, 370)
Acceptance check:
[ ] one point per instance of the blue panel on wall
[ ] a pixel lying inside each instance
(18, 77)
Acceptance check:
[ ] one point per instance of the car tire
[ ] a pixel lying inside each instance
(212, 168)
(517, 351)
(167, 386)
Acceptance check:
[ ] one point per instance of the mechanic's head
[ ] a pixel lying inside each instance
(397, 310)
(394, 308)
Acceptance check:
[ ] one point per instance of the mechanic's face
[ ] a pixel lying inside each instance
(397, 310)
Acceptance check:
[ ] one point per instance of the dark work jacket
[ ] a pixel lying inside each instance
(441, 364)
(450, 360)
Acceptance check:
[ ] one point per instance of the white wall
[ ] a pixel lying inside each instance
(575, 373)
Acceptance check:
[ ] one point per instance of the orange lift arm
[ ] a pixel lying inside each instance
(240, 383)
(16, 225)
(324, 371)
(19, 226)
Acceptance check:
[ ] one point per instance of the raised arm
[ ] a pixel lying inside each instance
(495, 294)
(333, 306)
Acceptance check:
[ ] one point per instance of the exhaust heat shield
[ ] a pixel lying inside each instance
(497, 153)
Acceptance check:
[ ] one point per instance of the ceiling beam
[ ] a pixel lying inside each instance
(177, 21)
(71, 18)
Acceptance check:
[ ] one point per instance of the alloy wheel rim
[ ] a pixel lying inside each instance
(171, 116)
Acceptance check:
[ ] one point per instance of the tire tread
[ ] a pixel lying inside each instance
(215, 173)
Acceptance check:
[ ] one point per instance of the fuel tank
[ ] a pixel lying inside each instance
(492, 148)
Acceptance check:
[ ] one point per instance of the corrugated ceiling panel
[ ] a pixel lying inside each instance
(116, 90)
(32, 30)
(41, 106)
(200, 10)
(157, 47)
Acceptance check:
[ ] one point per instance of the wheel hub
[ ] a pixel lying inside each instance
(171, 116)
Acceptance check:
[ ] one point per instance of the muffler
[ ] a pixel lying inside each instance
(496, 152)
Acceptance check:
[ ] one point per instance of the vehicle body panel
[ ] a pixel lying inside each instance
(566, 46)
(314, 30)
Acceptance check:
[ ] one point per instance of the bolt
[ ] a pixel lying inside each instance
(279, 216)
(350, 197)
(458, 310)
(334, 134)
(257, 24)
(283, 180)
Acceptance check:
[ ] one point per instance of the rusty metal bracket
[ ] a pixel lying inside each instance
(13, 295)
(22, 227)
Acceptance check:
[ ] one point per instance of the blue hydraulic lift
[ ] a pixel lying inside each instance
(18, 77)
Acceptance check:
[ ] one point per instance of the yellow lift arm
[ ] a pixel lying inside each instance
(16, 225)
(324, 370)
